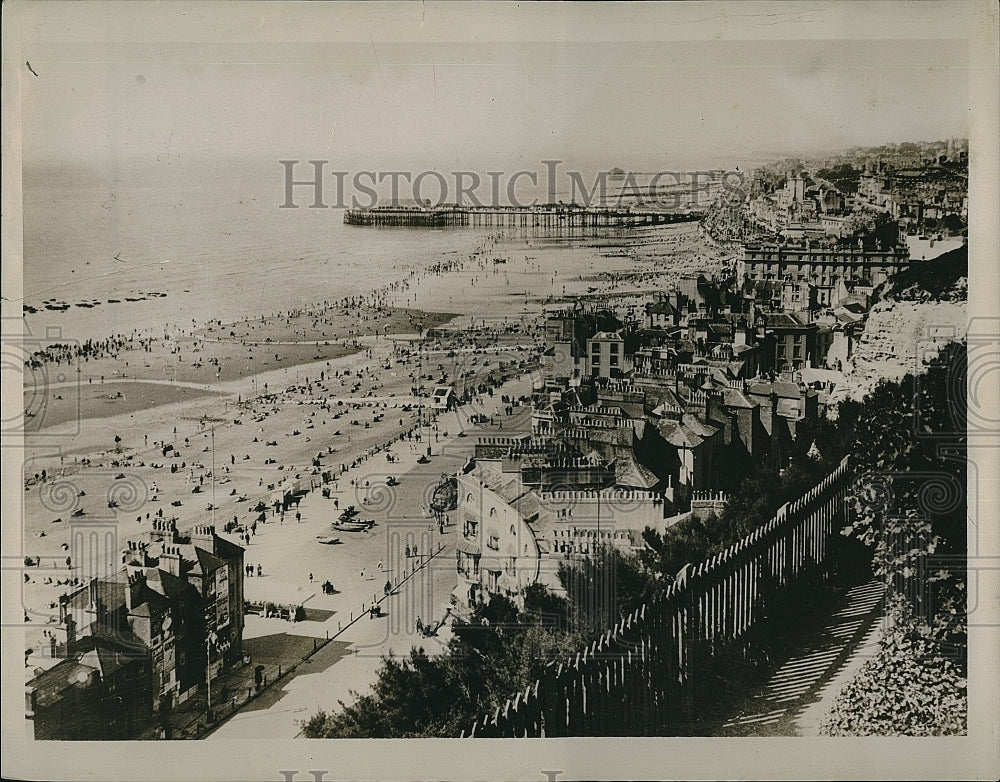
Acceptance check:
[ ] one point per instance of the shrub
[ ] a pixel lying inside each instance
(909, 688)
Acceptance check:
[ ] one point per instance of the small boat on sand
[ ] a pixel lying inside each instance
(360, 525)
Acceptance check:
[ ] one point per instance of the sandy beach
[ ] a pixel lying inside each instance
(212, 423)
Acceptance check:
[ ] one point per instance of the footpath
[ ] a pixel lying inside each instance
(800, 692)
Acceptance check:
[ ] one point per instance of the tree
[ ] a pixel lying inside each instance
(498, 652)
(909, 450)
(604, 587)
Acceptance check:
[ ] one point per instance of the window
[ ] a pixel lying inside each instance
(797, 352)
(614, 347)
(493, 541)
(470, 528)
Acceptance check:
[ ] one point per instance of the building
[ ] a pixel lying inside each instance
(796, 342)
(148, 622)
(606, 352)
(821, 264)
(512, 534)
(100, 691)
(496, 550)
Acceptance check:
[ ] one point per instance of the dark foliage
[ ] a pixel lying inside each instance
(603, 588)
(929, 279)
(910, 507)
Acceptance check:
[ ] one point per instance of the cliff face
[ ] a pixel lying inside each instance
(919, 313)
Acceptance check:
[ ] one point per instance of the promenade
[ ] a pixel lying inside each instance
(421, 585)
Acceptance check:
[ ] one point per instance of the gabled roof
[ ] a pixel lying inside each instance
(50, 685)
(629, 472)
(677, 434)
(111, 636)
(607, 335)
(661, 307)
(110, 592)
(207, 561)
(226, 549)
(733, 397)
(701, 428)
(527, 505)
(104, 660)
(167, 584)
(510, 489)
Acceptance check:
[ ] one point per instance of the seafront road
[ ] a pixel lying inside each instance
(289, 552)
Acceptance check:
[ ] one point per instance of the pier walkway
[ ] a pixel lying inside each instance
(547, 217)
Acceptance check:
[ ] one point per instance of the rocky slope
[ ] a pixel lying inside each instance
(920, 311)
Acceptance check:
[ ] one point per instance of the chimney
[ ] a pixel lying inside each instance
(715, 408)
(133, 590)
(170, 560)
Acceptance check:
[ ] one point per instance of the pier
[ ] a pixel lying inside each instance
(549, 217)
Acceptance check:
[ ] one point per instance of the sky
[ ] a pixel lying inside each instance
(405, 88)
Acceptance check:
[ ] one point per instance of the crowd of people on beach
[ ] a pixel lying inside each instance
(350, 407)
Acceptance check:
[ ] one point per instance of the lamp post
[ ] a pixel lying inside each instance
(213, 477)
(208, 672)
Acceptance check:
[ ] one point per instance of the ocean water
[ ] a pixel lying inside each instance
(210, 237)
(218, 248)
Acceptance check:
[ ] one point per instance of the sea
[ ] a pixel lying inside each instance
(192, 242)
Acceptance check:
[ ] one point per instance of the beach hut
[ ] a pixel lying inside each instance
(444, 398)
